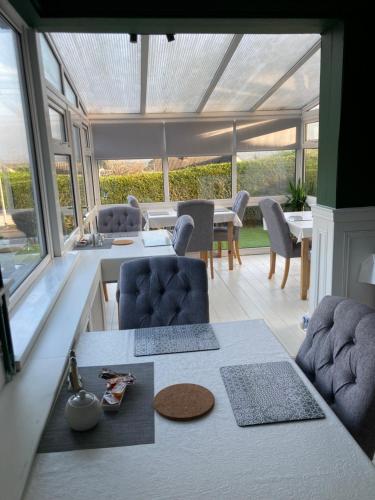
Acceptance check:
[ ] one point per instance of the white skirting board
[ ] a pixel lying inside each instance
(342, 240)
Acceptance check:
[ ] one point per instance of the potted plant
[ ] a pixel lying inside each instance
(296, 200)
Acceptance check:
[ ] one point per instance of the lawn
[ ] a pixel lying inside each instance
(252, 237)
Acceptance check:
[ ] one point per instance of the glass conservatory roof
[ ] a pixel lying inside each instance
(195, 73)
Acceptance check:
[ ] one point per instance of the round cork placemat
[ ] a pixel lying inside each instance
(184, 401)
(122, 242)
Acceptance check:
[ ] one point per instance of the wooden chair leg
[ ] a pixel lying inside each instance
(212, 264)
(237, 247)
(272, 264)
(286, 272)
(219, 249)
(105, 291)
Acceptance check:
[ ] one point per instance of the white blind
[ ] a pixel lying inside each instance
(116, 141)
(194, 138)
(268, 134)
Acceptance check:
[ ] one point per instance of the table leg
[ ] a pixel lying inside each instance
(305, 267)
(230, 245)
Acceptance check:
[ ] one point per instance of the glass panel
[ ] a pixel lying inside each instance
(21, 239)
(105, 68)
(69, 93)
(265, 173)
(300, 89)
(66, 198)
(57, 125)
(80, 171)
(141, 178)
(179, 72)
(87, 137)
(258, 63)
(202, 177)
(312, 131)
(310, 161)
(51, 65)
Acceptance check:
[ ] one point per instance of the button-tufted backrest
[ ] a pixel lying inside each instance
(202, 212)
(277, 227)
(239, 206)
(182, 233)
(119, 219)
(161, 291)
(338, 356)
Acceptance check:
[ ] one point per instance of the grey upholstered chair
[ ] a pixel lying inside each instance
(221, 231)
(133, 202)
(120, 219)
(281, 240)
(162, 291)
(202, 212)
(182, 233)
(338, 356)
(25, 220)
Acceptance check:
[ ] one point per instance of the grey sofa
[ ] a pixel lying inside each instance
(162, 291)
(338, 356)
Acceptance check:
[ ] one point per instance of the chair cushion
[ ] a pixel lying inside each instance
(338, 356)
(161, 291)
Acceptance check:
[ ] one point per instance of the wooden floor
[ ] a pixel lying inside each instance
(246, 293)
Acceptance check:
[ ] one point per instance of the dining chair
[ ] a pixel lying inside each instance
(182, 233)
(221, 231)
(133, 202)
(162, 291)
(281, 240)
(338, 357)
(118, 219)
(202, 213)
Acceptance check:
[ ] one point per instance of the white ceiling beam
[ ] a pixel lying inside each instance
(311, 104)
(179, 117)
(220, 70)
(287, 75)
(145, 42)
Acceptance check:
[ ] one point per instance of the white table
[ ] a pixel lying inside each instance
(210, 458)
(302, 230)
(167, 218)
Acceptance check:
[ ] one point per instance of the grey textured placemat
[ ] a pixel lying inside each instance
(132, 424)
(172, 339)
(268, 392)
(107, 243)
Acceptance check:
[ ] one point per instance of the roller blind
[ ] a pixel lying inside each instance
(194, 139)
(268, 134)
(116, 141)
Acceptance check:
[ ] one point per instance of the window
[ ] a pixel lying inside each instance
(310, 162)
(141, 178)
(22, 244)
(69, 93)
(80, 171)
(51, 65)
(201, 177)
(57, 124)
(312, 131)
(65, 189)
(265, 173)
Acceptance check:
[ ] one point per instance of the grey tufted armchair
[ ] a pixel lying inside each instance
(338, 356)
(202, 212)
(182, 234)
(133, 202)
(120, 219)
(162, 291)
(221, 232)
(282, 242)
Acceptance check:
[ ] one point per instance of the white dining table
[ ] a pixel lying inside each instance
(210, 458)
(301, 226)
(156, 219)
